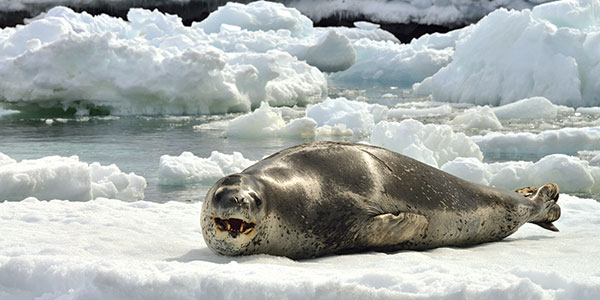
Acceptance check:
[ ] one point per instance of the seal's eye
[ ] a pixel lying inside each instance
(256, 199)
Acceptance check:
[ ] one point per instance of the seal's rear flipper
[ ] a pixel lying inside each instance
(389, 229)
(547, 196)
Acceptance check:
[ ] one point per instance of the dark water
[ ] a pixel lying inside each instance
(134, 144)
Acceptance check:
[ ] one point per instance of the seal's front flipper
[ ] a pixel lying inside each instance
(389, 229)
(547, 196)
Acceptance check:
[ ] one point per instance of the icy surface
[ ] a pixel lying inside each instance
(55, 177)
(111, 249)
(188, 168)
(512, 55)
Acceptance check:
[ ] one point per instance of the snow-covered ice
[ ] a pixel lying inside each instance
(153, 64)
(109, 249)
(413, 112)
(454, 12)
(267, 122)
(480, 117)
(572, 174)
(262, 56)
(188, 168)
(511, 55)
(360, 117)
(55, 177)
(564, 140)
(534, 108)
(432, 144)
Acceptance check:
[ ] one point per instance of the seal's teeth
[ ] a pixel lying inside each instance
(228, 225)
(242, 227)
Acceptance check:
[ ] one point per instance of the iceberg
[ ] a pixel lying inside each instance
(511, 55)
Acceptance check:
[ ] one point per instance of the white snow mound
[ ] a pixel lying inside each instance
(189, 169)
(432, 144)
(55, 177)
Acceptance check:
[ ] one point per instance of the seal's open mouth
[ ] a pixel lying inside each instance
(234, 225)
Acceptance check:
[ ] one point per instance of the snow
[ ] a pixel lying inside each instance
(110, 249)
(432, 144)
(189, 169)
(565, 140)
(55, 177)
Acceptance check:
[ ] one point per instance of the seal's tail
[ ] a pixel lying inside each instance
(546, 196)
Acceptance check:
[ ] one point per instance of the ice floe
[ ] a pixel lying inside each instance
(480, 117)
(360, 117)
(534, 108)
(570, 173)
(108, 249)
(432, 144)
(153, 64)
(565, 140)
(267, 122)
(413, 112)
(56, 177)
(190, 169)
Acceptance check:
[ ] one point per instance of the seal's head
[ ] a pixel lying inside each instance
(231, 214)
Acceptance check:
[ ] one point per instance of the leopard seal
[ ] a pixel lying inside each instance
(327, 198)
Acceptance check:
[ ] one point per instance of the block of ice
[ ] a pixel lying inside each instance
(153, 64)
(413, 112)
(570, 173)
(360, 117)
(565, 140)
(432, 144)
(530, 108)
(259, 15)
(336, 130)
(512, 55)
(267, 122)
(332, 52)
(480, 117)
(390, 62)
(189, 169)
(55, 177)
(589, 110)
